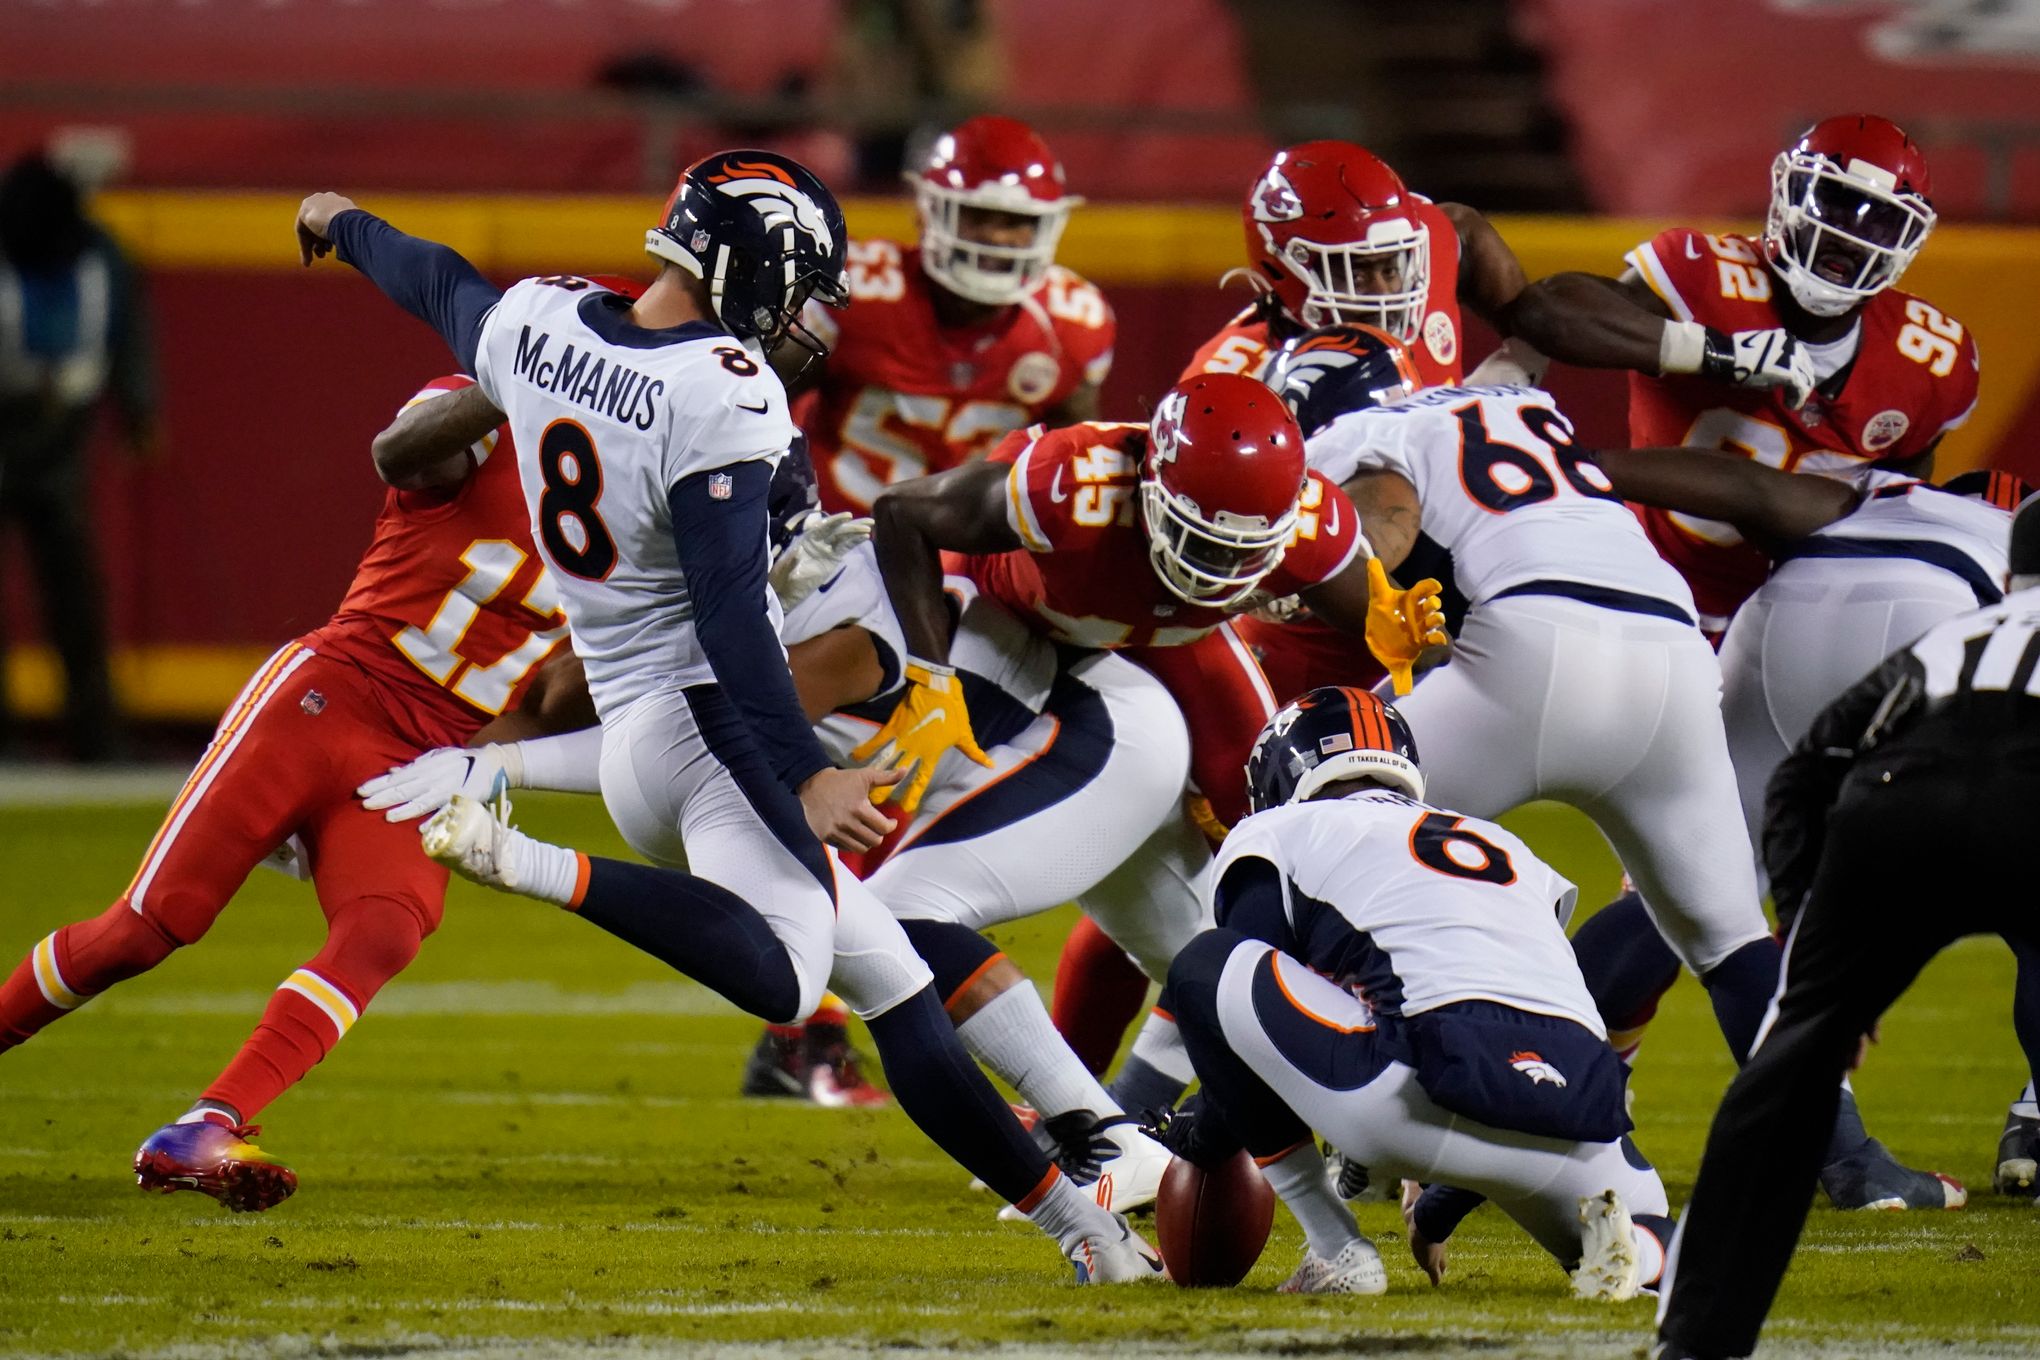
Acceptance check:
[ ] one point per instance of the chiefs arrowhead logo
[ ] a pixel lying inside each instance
(1165, 431)
(1538, 1070)
(1275, 200)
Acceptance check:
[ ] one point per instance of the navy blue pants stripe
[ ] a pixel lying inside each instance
(1075, 755)
(1334, 1057)
(731, 743)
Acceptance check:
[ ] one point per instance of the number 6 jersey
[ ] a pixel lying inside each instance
(622, 415)
(1412, 907)
(1503, 491)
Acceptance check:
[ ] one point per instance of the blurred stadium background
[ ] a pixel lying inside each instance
(540, 135)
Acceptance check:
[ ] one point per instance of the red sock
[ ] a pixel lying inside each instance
(367, 944)
(76, 963)
(1098, 993)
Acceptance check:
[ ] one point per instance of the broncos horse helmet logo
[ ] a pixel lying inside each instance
(1534, 1067)
(777, 198)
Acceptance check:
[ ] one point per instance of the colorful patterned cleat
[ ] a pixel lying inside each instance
(214, 1159)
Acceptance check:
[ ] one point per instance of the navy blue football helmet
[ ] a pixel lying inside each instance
(765, 235)
(1329, 372)
(1334, 732)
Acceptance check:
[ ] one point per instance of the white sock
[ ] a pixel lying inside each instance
(205, 1109)
(2025, 1107)
(1160, 1045)
(1650, 1256)
(1068, 1215)
(1302, 1181)
(538, 868)
(1012, 1035)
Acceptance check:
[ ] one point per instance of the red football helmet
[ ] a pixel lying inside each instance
(1849, 211)
(999, 164)
(1332, 230)
(1219, 486)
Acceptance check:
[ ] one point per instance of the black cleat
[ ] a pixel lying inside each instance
(2018, 1159)
(1871, 1178)
(777, 1066)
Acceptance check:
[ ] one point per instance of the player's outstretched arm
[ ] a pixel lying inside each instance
(1390, 514)
(430, 281)
(914, 523)
(1590, 320)
(1400, 625)
(962, 510)
(1767, 506)
(1598, 322)
(427, 444)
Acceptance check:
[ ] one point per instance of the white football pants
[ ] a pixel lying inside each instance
(1619, 715)
(678, 804)
(1393, 1129)
(1086, 803)
(1815, 628)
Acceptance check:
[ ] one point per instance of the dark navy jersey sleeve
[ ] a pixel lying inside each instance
(1249, 899)
(430, 281)
(719, 533)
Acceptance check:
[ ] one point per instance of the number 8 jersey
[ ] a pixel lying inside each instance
(1502, 490)
(620, 416)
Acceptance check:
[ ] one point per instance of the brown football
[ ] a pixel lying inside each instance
(1212, 1225)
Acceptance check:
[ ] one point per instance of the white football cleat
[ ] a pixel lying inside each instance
(1357, 1269)
(1609, 1269)
(476, 841)
(1130, 1167)
(1133, 1178)
(1114, 1254)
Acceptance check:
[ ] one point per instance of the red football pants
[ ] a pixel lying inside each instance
(1299, 656)
(284, 761)
(1225, 700)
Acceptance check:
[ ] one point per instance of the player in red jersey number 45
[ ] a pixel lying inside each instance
(950, 345)
(443, 630)
(1141, 538)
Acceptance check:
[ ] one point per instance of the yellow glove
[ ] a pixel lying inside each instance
(1401, 623)
(931, 719)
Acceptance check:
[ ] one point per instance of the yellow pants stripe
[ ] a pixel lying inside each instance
(326, 997)
(47, 976)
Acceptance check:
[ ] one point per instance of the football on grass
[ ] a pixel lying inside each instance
(1211, 1225)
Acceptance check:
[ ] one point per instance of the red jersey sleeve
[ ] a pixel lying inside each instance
(1327, 539)
(1718, 281)
(1070, 488)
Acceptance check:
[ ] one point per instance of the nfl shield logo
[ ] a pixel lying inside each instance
(719, 485)
(313, 703)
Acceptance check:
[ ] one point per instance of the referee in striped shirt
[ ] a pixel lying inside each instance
(1905, 791)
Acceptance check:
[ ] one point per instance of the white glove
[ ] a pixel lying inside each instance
(1514, 364)
(813, 556)
(290, 858)
(429, 782)
(1760, 360)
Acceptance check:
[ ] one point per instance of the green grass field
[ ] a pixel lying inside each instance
(530, 1147)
